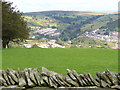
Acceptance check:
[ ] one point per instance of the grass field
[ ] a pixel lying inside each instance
(81, 60)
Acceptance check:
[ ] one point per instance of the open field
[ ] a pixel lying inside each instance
(81, 60)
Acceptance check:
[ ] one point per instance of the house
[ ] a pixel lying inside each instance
(43, 45)
(27, 45)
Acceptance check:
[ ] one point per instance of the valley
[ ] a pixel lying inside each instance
(67, 26)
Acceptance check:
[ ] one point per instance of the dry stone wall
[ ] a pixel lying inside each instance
(29, 78)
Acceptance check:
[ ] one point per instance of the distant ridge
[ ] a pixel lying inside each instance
(74, 12)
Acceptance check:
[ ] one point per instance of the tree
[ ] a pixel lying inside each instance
(14, 28)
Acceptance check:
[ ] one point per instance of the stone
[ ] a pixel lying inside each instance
(97, 79)
(57, 81)
(62, 79)
(116, 87)
(11, 80)
(5, 77)
(98, 74)
(70, 74)
(83, 80)
(93, 80)
(118, 78)
(88, 79)
(62, 84)
(112, 77)
(104, 84)
(51, 84)
(37, 76)
(22, 82)
(55, 85)
(19, 73)
(32, 77)
(28, 81)
(45, 79)
(22, 78)
(105, 78)
(71, 82)
(13, 75)
(2, 81)
(42, 82)
(77, 77)
(46, 72)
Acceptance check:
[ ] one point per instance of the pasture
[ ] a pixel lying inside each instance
(58, 60)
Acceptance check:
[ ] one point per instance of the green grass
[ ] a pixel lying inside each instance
(81, 60)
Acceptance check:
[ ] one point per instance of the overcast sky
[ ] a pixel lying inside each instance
(77, 5)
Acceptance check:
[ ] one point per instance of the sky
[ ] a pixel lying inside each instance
(69, 5)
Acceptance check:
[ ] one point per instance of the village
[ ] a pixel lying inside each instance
(44, 31)
(101, 35)
(49, 44)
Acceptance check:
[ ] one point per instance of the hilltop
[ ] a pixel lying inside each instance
(69, 12)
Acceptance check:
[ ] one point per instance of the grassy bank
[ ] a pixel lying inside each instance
(81, 60)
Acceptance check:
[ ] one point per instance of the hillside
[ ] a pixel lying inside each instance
(85, 42)
(70, 24)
